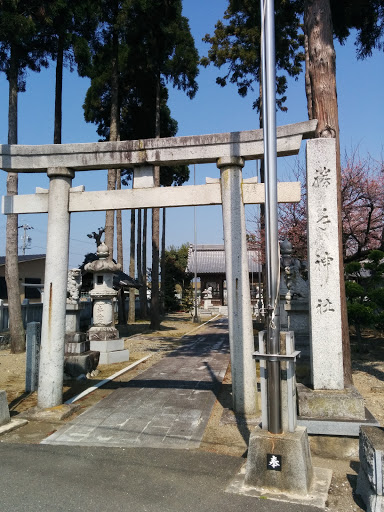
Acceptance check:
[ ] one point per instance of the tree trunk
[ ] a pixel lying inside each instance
(58, 91)
(138, 254)
(12, 261)
(110, 215)
(119, 225)
(155, 305)
(114, 134)
(139, 264)
(322, 76)
(144, 263)
(162, 263)
(308, 89)
(362, 343)
(131, 312)
(122, 317)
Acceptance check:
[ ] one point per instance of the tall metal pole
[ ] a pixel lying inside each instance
(271, 208)
(195, 318)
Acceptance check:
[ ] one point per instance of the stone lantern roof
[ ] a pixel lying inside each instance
(103, 264)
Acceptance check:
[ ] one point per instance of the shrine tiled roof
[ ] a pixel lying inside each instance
(210, 259)
(25, 257)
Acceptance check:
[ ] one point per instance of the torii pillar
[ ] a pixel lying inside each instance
(244, 385)
(51, 370)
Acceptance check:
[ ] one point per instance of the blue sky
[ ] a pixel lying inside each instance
(214, 109)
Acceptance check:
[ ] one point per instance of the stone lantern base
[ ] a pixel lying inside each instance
(106, 340)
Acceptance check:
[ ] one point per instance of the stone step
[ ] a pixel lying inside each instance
(107, 345)
(117, 356)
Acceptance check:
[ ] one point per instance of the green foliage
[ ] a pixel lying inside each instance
(154, 41)
(69, 26)
(162, 42)
(367, 17)
(353, 268)
(360, 314)
(187, 298)
(365, 295)
(175, 264)
(353, 290)
(20, 38)
(155, 44)
(235, 45)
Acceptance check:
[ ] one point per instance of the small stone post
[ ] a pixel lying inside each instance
(50, 391)
(1, 314)
(32, 357)
(239, 296)
(4, 410)
(25, 310)
(370, 480)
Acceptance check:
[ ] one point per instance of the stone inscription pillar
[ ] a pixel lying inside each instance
(238, 290)
(50, 390)
(324, 268)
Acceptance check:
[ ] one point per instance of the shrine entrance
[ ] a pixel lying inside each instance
(227, 150)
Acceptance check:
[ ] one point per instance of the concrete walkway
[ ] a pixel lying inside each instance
(120, 455)
(167, 406)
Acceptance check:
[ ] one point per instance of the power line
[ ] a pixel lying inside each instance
(72, 239)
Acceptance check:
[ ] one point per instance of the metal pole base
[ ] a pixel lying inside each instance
(279, 463)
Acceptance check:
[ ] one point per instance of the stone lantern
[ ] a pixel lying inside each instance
(103, 335)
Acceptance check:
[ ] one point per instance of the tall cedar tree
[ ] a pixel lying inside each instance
(105, 64)
(235, 46)
(69, 26)
(320, 66)
(169, 54)
(21, 48)
(156, 47)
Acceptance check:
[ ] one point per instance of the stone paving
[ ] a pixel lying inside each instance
(166, 406)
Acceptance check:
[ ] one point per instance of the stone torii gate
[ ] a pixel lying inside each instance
(227, 150)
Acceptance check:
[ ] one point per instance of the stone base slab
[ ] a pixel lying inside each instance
(317, 495)
(58, 413)
(204, 314)
(77, 348)
(291, 472)
(297, 482)
(334, 447)
(118, 356)
(336, 427)
(107, 345)
(12, 425)
(345, 404)
(78, 364)
(230, 417)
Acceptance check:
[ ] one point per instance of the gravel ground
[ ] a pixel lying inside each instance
(220, 437)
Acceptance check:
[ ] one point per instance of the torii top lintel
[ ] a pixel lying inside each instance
(164, 151)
